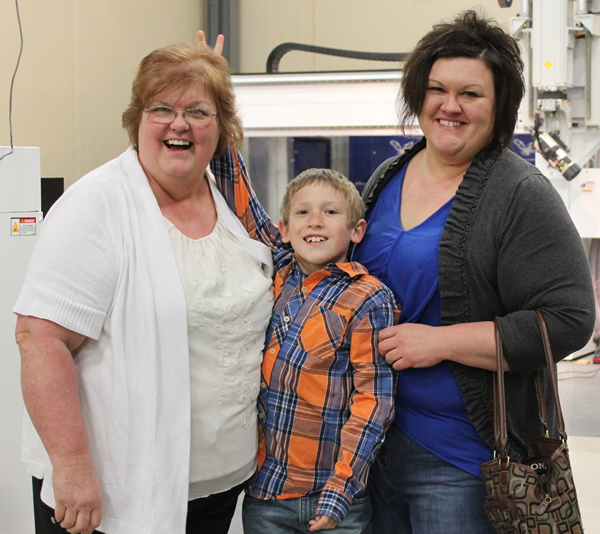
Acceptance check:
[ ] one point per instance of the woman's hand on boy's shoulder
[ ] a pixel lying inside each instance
(411, 345)
(322, 522)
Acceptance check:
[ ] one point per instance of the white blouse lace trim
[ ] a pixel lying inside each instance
(229, 302)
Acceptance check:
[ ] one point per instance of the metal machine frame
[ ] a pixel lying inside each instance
(560, 40)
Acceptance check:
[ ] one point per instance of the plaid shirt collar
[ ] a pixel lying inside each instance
(351, 269)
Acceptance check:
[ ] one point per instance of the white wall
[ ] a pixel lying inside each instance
(76, 71)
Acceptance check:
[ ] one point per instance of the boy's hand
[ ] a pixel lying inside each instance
(218, 45)
(322, 522)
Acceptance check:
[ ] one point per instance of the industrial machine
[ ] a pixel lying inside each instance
(288, 116)
(20, 218)
(560, 40)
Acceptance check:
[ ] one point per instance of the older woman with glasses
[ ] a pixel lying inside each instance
(141, 323)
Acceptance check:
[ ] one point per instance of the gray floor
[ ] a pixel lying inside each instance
(579, 385)
(236, 524)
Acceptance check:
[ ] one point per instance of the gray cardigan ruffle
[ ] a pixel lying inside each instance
(508, 247)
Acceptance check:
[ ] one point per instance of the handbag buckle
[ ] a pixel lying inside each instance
(504, 510)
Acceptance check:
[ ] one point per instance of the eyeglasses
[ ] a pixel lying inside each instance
(166, 115)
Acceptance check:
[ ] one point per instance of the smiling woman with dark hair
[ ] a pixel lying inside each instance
(470, 37)
(142, 321)
(464, 232)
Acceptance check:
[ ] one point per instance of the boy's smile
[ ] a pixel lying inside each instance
(318, 227)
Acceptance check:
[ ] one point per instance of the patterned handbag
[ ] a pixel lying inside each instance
(536, 497)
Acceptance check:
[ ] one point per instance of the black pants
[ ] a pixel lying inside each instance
(212, 514)
(209, 515)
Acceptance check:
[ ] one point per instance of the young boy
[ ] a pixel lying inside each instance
(326, 396)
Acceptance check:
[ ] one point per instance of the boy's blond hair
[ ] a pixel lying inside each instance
(331, 178)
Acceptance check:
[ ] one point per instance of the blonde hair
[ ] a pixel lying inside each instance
(331, 178)
(179, 67)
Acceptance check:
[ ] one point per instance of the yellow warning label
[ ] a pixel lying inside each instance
(23, 226)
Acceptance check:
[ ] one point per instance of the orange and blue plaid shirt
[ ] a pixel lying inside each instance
(327, 394)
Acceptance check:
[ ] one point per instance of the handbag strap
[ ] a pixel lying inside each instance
(560, 420)
(500, 431)
(499, 400)
(540, 395)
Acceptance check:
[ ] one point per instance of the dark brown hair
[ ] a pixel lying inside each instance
(178, 67)
(469, 35)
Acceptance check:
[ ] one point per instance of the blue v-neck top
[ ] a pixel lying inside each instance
(429, 406)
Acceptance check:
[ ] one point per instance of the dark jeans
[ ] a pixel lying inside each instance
(415, 492)
(291, 516)
(209, 515)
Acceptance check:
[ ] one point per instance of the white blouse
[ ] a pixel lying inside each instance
(229, 302)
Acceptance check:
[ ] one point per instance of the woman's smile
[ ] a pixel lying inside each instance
(178, 149)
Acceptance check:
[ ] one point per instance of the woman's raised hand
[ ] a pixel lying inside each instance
(218, 44)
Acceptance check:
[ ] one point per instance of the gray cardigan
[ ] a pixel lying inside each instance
(508, 247)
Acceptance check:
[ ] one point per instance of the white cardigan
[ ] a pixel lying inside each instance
(104, 267)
